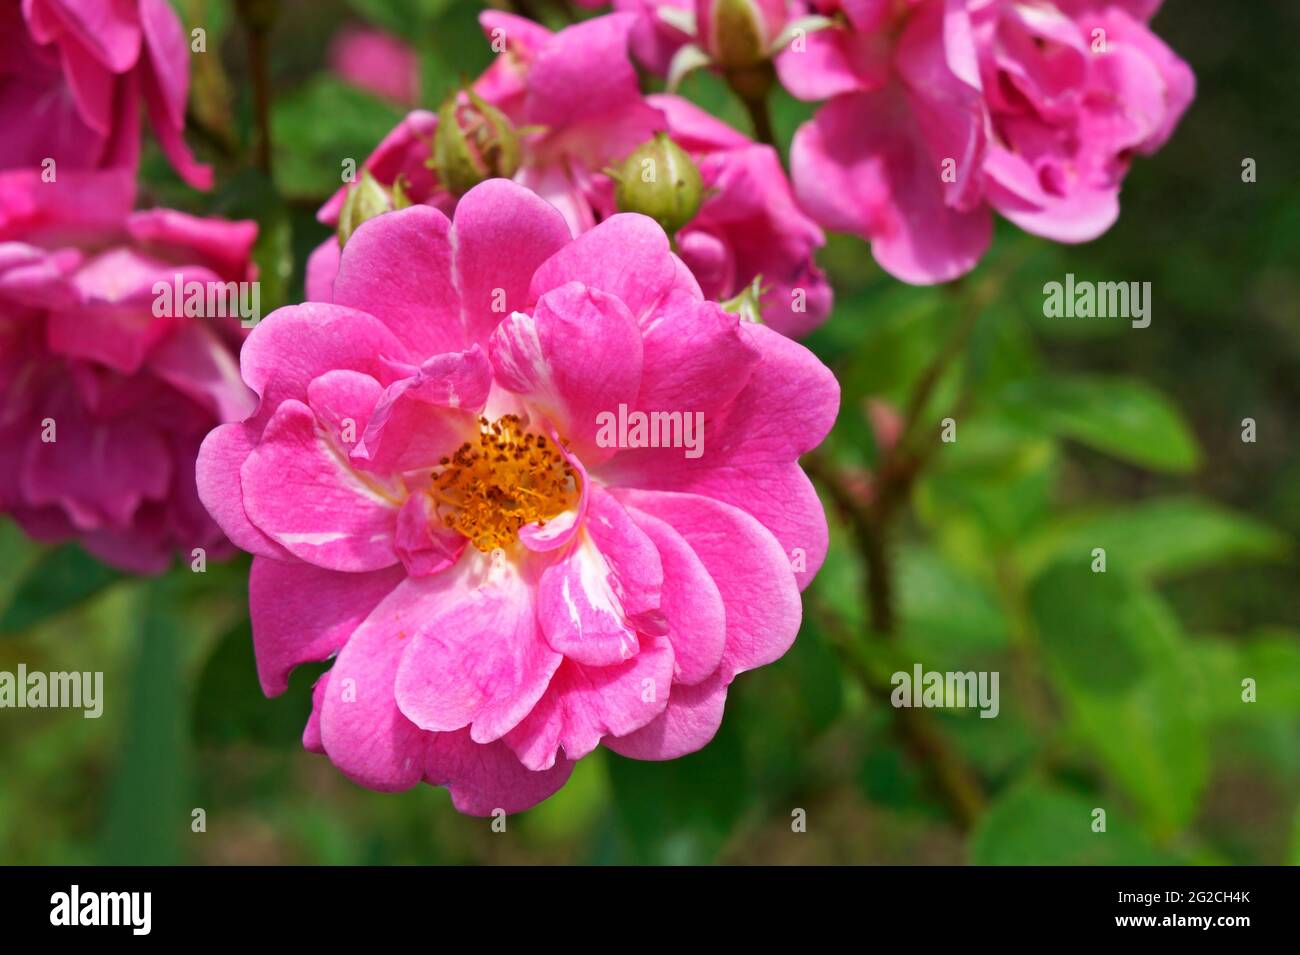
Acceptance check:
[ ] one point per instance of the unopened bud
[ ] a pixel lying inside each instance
(367, 199)
(474, 141)
(739, 34)
(661, 181)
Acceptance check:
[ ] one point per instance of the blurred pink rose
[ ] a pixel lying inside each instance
(1073, 90)
(377, 62)
(72, 73)
(942, 111)
(106, 397)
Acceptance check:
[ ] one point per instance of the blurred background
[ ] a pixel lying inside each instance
(1120, 691)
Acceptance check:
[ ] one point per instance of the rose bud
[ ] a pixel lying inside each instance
(661, 181)
(474, 141)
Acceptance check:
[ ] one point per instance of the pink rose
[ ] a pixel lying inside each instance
(748, 227)
(896, 154)
(377, 62)
(105, 397)
(71, 76)
(1074, 91)
(443, 492)
(942, 110)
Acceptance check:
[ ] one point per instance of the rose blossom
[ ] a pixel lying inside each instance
(748, 226)
(378, 62)
(72, 73)
(104, 404)
(435, 499)
(943, 110)
(1073, 89)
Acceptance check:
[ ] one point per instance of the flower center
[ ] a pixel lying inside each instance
(510, 477)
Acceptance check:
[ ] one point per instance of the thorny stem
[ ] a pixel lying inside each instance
(955, 782)
(871, 524)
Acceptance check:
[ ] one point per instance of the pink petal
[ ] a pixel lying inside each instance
(583, 704)
(425, 545)
(484, 778)
(398, 267)
(861, 165)
(223, 244)
(294, 345)
(425, 417)
(343, 402)
(361, 728)
(475, 658)
(608, 118)
(197, 363)
(111, 29)
(760, 593)
(217, 469)
(696, 360)
(504, 233)
(686, 725)
(625, 256)
(576, 356)
(300, 491)
(604, 591)
(98, 471)
(302, 614)
(322, 267)
(691, 604)
(750, 455)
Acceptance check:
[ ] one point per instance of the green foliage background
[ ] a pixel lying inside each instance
(1119, 690)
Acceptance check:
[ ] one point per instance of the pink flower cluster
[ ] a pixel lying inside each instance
(940, 112)
(748, 226)
(421, 457)
(104, 397)
(431, 501)
(378, 62)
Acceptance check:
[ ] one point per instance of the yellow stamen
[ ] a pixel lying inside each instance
(510, 477)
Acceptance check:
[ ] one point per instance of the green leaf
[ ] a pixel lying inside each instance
(988, 488)
(402, 17)
(1039, 824)
(1270, 658)
(18, 555)
(1119, 661)
(147, 815)
(1089, 627)
(319, 125)
(680, 812)
(54, 582)
(229, 707)
(1118, 416)
(1159, 538)
(947, 613)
